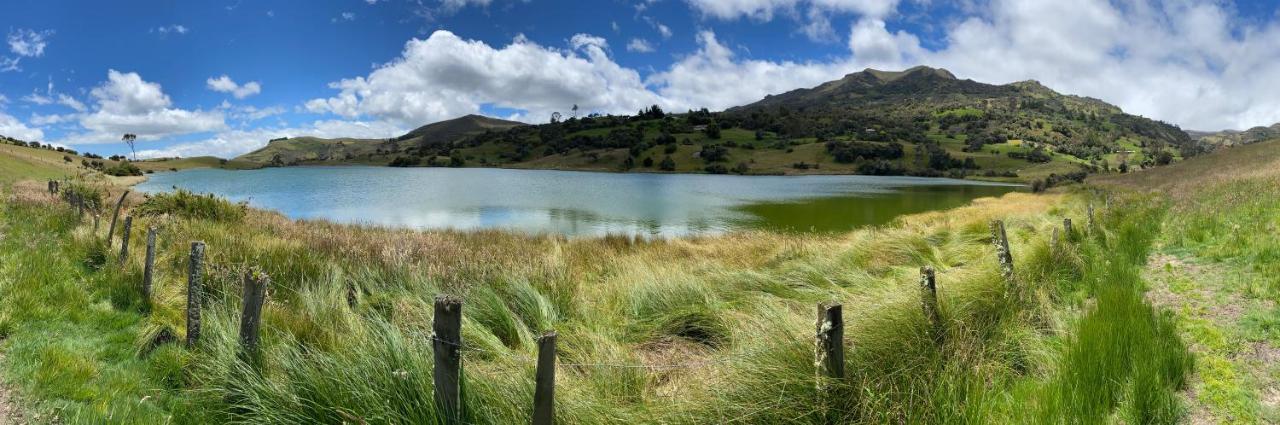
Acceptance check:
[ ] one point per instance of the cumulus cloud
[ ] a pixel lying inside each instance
(24, 43)
(233, 143)
(445, 76)
(12, 127)
(29, 43)
(225, 84)
(126, 103)
(815, 13)
(639, 45)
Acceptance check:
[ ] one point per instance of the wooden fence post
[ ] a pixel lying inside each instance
(544, 395)
(1066, 227)
(1001, 241)
(194, 293)
(255, 293)
(112, 230)
(124, 239)
(829, 355)
(96, 218)
(447, 345)
(352, 301)
(148, 266)
(1089, 228)
(929, 303)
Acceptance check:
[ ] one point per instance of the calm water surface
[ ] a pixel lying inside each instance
(578, 203)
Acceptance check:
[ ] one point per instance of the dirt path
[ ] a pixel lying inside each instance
(1234, 333)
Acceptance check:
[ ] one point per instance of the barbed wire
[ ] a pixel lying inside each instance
(614, 365)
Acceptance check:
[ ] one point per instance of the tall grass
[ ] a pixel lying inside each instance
(683, 331)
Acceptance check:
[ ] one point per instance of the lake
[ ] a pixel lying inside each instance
(578, 203)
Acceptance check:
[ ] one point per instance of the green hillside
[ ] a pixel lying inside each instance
(922, 122)
(317, 151)
(1237, 138)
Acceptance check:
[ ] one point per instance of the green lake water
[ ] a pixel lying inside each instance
(578, 203)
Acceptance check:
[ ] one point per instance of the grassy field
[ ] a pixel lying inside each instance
(693, 330)
(1216, 268)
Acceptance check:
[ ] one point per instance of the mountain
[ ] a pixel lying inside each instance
(313, 150)
(921, 99)
(921, 121)
(1228, 138)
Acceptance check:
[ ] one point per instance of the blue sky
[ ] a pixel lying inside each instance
(222, 77)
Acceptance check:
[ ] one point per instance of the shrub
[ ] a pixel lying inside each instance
(186, 204)
(123, 169)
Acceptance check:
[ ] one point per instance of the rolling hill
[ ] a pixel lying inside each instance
(315, 151)
(921, 121)
(1230, 138)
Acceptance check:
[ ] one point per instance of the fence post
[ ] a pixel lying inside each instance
(1053, 242)
(447, 345)
(148, 266)
(830, 341)
(1001, 241)
(111, 231)
(929, 303)
(255, 293)
(544, 395)
(194, 293)
(1066, 227)
(351, 295)
(124, 239)
(96, 218)
(1089, 228)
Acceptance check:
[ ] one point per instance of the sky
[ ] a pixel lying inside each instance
(222, 77)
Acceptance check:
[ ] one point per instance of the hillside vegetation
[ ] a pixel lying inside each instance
(1230, 138)
(922, 121)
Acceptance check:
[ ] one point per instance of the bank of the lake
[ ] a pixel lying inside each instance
(576, 202)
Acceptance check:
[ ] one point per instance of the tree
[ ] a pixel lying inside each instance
(555, 117)
(575, 110)
(713, 130)
(667, 164)
(128, 139)
(648, 162)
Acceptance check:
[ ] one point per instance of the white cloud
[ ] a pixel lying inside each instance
(816, 13)
(171, 29)
(445, 76)
(639, 45)
(28, 43)
(663, 30)
(225, 84)
(128, 104)
(12, 127)
(71, 102)
(344, 17)
(233, 143)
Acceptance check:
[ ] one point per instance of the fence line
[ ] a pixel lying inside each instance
(449, 346)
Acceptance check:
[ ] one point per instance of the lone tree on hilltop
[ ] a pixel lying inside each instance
(128, 139)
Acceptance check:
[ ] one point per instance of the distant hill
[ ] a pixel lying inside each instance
(921, 121)
(313, 150)
(1229, 138)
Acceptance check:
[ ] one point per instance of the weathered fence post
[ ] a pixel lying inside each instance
(148, 266)
(96, 219)
(194, 293)
(1089, 228)
(124, 239)
(351, 295)
(49, 186)
(1066, 227)
(544, 394)
(447, 344)
(255, 293)
(1001, 240)
(111, 231)
(829, 355)
(929, 304)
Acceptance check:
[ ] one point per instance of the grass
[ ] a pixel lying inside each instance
(739, 307)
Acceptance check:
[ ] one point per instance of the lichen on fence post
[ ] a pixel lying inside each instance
(255, 293)
(1000, 239)
(828, 352)
(447, 345)
(929, 304)
(1066, 227)
(194, 293)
